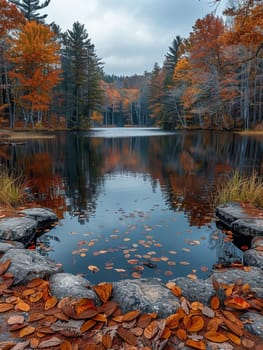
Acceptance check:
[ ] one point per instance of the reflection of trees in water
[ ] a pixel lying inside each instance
(226, 251)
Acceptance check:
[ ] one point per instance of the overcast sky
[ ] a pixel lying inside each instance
(130, 35)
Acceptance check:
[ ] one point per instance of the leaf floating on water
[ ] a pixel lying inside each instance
(93, 268)
(168, 273)
(136, 275)
(184, 263)
(173, 252)
(192, 277)
(133, 261)
(204, 268)
(120, 270)
(187, 250)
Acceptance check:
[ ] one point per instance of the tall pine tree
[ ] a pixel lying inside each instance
(29, 9)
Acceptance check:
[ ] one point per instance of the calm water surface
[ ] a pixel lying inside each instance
(134, 202)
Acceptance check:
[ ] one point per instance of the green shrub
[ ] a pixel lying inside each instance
(240, 188)
(12, 189)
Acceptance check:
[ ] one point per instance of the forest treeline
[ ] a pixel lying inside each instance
(211, 79)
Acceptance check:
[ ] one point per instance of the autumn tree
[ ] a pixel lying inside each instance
(29, 9)
(10, 19)
(34, 54)
(156, 93)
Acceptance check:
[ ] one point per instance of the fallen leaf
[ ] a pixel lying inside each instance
(16, 319)
(216, 337)
(54, 341)
(93, 268)
(107, 341)
(247, 343)
(36, 316)
(235, 328)
(34, 298)
(181, 334)
(4, 266)
(6, 345)
(234, 338)
(237, 303)
(194, 323)
(127, 336)
(87, 325)
(22, 306)
(129, 316)
(34, 342)
(50, 303)
(26, 331)
(103, 291)
(6, 307)
(34, 283)
(215, 302)
(196, 344)
(151, 330)
(66, 345)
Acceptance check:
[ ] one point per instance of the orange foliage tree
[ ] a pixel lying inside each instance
(34, 54)
(10, 18)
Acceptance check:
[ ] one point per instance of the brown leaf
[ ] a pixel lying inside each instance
(236, 329)
(35, 316)
(87, 325)
(34, 342)
(216, 337)
(214, 324)
(16, 319)
(54, 341)
(50, 303)
(6, 345)
(103, 291)
(129, 316)
(21, 345)
(144, 320)
(26, 331)
(4, 266)
(172, 321)
(151, 330)
(137, 331)
(108, 308)
(100, 318)
(107, 341)
(34, 283)
(89, 313)
(6, 307)
(247, 343)
(28, 292)
(216, 285)
(215, 302)
(196, 344)
(127, 336)
(66, 345)
(45, 330)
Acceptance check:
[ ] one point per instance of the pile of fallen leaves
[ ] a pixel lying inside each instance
(35, 319)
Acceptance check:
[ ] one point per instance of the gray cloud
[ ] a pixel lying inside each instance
(130, 35)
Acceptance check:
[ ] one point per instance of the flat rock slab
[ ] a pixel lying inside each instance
(146, 295)
(253, 257)
(6, 245)
(255, 324)
(248, 227)
(43, 216)
(21, 229)
(230, 212)
(197, 290)
(254, 278)
(257, 242)
(27, 264)
(68, 285)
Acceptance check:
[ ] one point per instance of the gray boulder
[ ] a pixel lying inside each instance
(257, 242)
(68, 285)
(230, 212)
(197, 290)
(43, 216)
(253, 257)
(254, 278)
(21, 229)
(27, 264)
(146, 295)
(6, 245)
(253, 323)
(248, 227)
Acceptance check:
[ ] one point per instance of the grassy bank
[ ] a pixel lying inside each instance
(12, 189)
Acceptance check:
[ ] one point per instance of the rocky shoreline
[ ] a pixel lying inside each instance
(145, 295)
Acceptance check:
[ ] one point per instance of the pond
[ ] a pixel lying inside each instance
(134, 202)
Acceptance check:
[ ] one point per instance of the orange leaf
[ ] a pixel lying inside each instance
(34, 342)
(107, 341)
(195, 323)
(129, 316)
(151, 330)
(83, 305)
(215, 302)
(216, 337)
(34, 298)
(237, 303)
(22, 306)
(4, 266)
(6, 307)
(36, 316)
(172, 321)
(34, 283)
(127, 336)
(103, 291)
(235, 328)
(181, 334)
(51, 302)
(26, 331)
(235, 339)
(100, 318)
(213, 324)
(28, 292)
(87, 325)
(66, 345)
(177, 291)
(196, 344)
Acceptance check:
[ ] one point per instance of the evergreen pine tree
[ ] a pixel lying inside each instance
(29, 9)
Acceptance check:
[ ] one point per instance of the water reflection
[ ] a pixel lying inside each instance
(134, 195)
